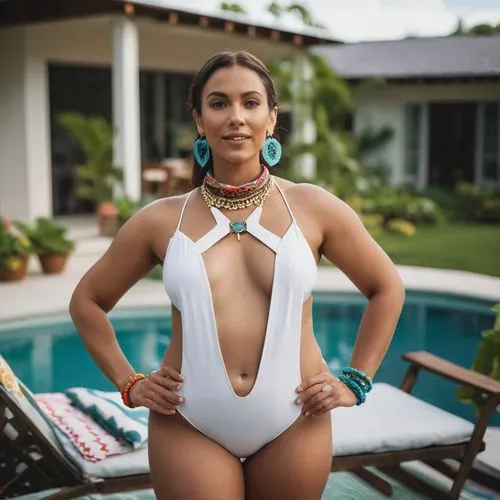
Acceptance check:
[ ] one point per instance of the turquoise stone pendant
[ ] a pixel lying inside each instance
(238, 227)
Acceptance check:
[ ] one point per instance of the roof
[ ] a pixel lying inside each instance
(310, 35)
(440, 58)
(170, 11)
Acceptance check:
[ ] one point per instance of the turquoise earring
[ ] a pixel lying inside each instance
(271, 151)
(201, 151)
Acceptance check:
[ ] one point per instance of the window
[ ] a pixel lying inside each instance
(490, 158)
(413, 136)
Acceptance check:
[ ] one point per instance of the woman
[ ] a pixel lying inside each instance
(243, 377)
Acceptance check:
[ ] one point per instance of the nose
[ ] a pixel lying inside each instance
(237, 117)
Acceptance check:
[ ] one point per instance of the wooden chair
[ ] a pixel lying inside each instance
(462, 454)
(31, 459)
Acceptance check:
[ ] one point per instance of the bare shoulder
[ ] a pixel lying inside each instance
(150, 227)
(165, 211)
(317, 202)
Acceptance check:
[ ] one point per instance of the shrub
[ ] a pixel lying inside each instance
(476, 203)
(373, 223)
(401, 204)
(126, 208)
(14, 245)
(401, 226)
(487, 362)
(47, 237)
(393, 203)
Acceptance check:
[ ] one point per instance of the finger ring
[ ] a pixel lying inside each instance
(327, 388)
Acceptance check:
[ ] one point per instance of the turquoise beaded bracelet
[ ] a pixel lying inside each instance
(355, 388)
(357, 381)
(360, 377)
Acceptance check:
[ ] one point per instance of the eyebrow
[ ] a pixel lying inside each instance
(222, 94)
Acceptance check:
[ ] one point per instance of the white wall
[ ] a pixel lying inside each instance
(13, 174)
(378, 113)
(24, 151)
(384, 105)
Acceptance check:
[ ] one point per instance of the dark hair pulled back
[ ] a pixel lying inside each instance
(226, 59)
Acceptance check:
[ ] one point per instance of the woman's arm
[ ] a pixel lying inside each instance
(129, 258)
(348, 245)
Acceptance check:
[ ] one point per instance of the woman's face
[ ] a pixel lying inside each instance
(235, 115)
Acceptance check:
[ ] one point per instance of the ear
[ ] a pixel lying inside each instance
(199, 123)
(273, 118)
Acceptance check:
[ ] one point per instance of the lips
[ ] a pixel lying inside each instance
(236, 137)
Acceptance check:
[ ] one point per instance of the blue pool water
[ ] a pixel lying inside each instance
(48, 355)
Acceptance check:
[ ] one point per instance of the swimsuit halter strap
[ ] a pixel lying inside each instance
(182, 210)
(285, 200)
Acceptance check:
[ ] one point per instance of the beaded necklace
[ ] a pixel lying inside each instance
(228, 191)
(219, 195)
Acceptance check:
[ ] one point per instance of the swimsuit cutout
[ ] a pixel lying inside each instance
(241, 424)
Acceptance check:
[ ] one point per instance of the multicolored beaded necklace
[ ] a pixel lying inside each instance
(228, 191)
(220, 195)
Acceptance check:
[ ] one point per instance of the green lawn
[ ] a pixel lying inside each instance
(472, 247)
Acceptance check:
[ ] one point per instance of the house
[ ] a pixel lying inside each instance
(441, 98)
(128, 61)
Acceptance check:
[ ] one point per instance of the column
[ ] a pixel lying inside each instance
(126, 114)
(304, 126)
(423, 154)
(37, 129)
(25, 164)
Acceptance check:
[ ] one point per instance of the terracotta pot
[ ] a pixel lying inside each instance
(107, 216)
(17, 275)
(53, 263)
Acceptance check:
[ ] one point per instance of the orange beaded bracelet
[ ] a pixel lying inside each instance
(125, 392)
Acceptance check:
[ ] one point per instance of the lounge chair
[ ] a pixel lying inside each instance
(394, 427)
(34, 456)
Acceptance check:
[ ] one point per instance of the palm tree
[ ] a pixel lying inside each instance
(277, 10)
(232, 7)
(303, 14)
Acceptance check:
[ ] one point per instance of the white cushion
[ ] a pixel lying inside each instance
(392, 420)
(134, 462)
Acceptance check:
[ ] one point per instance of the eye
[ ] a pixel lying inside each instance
(252, 103)
(217, 104)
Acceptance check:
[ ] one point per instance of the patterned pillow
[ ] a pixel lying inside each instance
(86, 435)
(55, 410)
(106, 408)
(8, 380)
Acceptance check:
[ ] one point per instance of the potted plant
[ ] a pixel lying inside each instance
(487, 362)
(97, 178)
(50, 243)
(126, 208)
(15, 249)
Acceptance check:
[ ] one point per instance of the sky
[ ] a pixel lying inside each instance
(363, 20)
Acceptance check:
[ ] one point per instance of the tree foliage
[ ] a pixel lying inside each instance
(278, 9)
(98, 176)
(233, 7)
(477, 29)
(487, 362)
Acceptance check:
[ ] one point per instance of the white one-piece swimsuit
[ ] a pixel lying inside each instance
(241, 424)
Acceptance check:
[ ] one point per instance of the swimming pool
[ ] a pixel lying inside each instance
(48, 355)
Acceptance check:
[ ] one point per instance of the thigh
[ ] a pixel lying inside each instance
(186, 465)
(295, 465)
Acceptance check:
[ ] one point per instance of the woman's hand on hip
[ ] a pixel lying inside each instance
(322, 393)
(158, 391)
